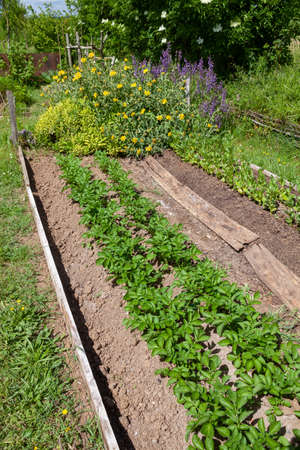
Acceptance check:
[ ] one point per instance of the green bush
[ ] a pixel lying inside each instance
(21, 93)
(69, 127)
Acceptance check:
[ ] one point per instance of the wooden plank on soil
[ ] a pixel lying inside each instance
(230, 231)
(107, 432)
(276, 276)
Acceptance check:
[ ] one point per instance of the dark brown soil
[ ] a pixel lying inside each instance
(281, 239)
(143, 411)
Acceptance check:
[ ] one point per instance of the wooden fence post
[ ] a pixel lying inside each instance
(68, 50)
(12, 113)
(78, 48)
(187, 90)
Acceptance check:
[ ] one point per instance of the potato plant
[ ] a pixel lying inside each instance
(177, 326)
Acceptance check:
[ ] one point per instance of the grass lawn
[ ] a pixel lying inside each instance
(38, 408)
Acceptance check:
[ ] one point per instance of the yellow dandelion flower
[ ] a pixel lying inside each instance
(115, 99)
(145, 70)
(61, 72)
(35, 448)
(209, 125)
(67, 91)
(64, 412)
(140, 88)
(125, 116)
(182, 88)
(55, 77)
(91, 55)
(162, 73)
(133, 85)
(112, 137)
(83, 60)
(95, 95)
(164, 101)
(12, 308)
(154, 80)
(119, 86)
(181, 116)
(81, 88)
(68, 429)
(142, 111)
(118, 113)
(125, 59)
(134, 140)
(126, 67)
(148, 149)
(159, 117)
(65, 77)
(112, 73)
(105, 93)
(93, 69)
(168, 117)
(18, 301)
(96, 104)
(42, 94)
(22, 308)
(170, 133)
(147, 93)
(98, 73)
(123, 138)
(124, 104)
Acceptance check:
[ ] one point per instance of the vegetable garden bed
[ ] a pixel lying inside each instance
(143, 410)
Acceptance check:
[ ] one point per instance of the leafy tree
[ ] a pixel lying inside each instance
(12, 18)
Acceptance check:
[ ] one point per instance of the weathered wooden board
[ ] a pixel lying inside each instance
(230, 231)
(107, 432)
(276, 276)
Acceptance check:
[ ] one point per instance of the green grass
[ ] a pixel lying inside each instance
(274, 93)
(36, 386)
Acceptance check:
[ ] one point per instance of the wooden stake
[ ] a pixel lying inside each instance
(78, 48)
(68, 50)
(12, 113)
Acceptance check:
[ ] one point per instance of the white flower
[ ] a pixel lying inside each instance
(163, 14)
(217, 28)
(235, 23)
(205, 1)
(113, 23)
(104, 20)
(164, 40)
(136, 18)
(200, 40)
(145, 13)
(161, 28)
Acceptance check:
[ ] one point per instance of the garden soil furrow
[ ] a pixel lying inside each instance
(143, 411)
(282, 240)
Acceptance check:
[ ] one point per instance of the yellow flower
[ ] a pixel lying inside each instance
(119, 86)
(65, 77)
(55, 77)
(98, 73)
(159, 117)
(124, 104)
(42, 94)
(83, 60)
(96, 104)
(118, 113)
(149, 148)
(95, 95)
(168, 117)
(35, 448)
(209, 125)
(18, 301)
(12, 308)
(112, 73)
(181, 116)
(22, 308)
(134, 140)
(81, 88)
(140, 88)
(77, 76)
(138, 152)
(67, 91)
(91, 55)
(154, 80)
(149, 83)
(133, 85)
(164, 101)
(182, 88)
(93, 69)
(61, 72)
(105, 93)
(68, 429)
(123, 138)
(170, 133)
(147, 93)
(112, 137)
(142, 111)
(145, 70)
(115, 99)
(64, 412)
(125, 59)
(126, 67)
(125, 116)
(132, 114)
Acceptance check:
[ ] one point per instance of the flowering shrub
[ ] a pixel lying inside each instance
(139, 105)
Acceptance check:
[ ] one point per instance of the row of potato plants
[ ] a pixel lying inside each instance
(139, 248)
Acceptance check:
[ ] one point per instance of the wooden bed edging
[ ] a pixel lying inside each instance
(109, 439)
